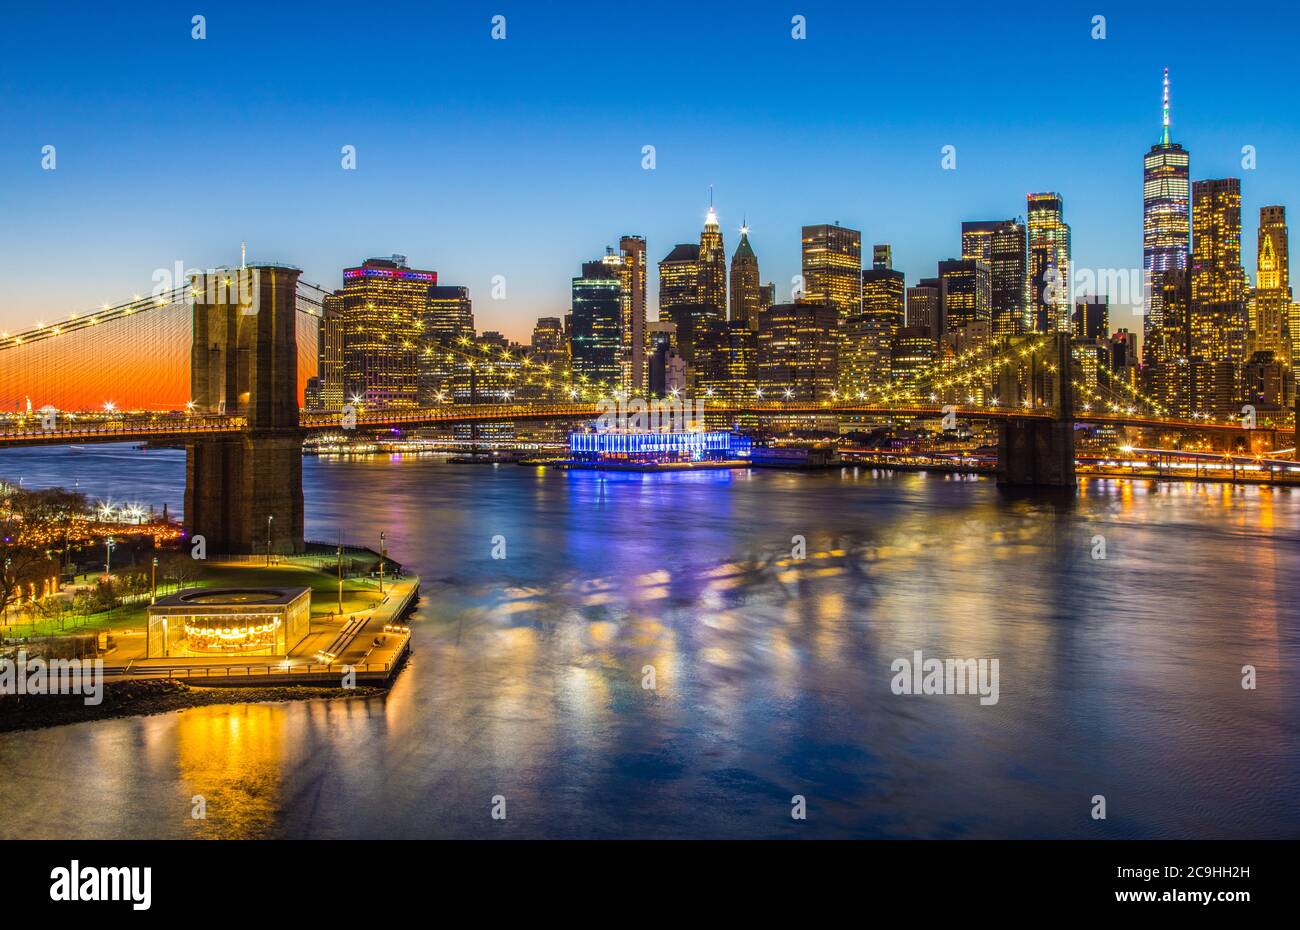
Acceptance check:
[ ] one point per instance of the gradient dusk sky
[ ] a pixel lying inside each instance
(523, 157)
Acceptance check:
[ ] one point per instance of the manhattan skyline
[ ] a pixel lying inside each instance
(449, 158)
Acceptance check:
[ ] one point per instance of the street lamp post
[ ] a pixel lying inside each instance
(381, 566)
(153, 581)
(269, 518)
(109, 545)
(340, 568)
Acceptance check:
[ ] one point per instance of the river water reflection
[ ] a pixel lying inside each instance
(1119, 677)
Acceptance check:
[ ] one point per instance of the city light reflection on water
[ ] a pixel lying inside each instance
(1118, 676)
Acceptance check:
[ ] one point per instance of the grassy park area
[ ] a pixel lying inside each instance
(128, 610)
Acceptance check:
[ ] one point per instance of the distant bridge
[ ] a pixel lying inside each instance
(170, 426)
(250, 336)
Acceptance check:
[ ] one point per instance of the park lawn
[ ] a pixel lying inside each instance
(358, 594)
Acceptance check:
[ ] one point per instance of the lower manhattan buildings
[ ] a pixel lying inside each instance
(912, 424)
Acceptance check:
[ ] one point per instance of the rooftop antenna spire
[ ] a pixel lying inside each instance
(1165, 139)
(243, 254)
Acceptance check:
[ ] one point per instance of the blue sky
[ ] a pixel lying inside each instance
(522, 157)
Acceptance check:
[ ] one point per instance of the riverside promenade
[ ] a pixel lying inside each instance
(367, 646)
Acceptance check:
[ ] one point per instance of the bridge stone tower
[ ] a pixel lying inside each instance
(241, 492)
(1033, 451)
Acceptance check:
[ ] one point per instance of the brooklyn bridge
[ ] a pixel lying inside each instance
(219, 363)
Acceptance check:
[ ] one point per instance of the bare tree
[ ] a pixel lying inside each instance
(34, 526)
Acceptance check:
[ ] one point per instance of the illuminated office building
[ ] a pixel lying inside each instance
(712, 292)
(869, 335)
(1271, 322)
(667, 369)
(798, 351)
(679, 277)
(449, 314)
(329, 368)
(965, 291)
(488, 371)
(1218, 301)
(679, 297)
(384, 304)
(548, 343)
(632, 278)
(923, 308)
(746, 300)
(1166, 227)
(1091, 319)
(597, 317)
(1003, 246)
(1267, 385)
(882, 256)
(1168, 355)
(766, 296)
(912, 358)
(448, 325)
(1051, 285)
(832, 268)
(727, 355)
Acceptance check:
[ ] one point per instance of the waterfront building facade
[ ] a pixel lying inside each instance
(384, 304)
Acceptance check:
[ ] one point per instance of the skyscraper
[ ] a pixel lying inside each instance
(384, 304)
(1168, 354)
(798, 351)
(869, 335)
(1218, 306)
(448, 327)
(548, 340)
(679, 277)
(726, 352)
(449, 314)
(330, 364)
(693, 286)
(746, 300)
(713, 268)
(632, 275)
(1092, 318)
(832, 268)
(1003, 246)
(1272, 324)
(912, 357)
(965, 290)
(923, 308)
(1166, 224)
(679, 292)
(1049, 263)
(597, 318)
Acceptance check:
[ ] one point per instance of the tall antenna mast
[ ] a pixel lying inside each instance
(1165, 138)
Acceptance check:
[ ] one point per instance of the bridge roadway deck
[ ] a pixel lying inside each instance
(164, 427)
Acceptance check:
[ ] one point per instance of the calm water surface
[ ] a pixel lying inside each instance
(1119, 677)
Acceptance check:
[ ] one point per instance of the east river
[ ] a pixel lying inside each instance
(529, 682)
